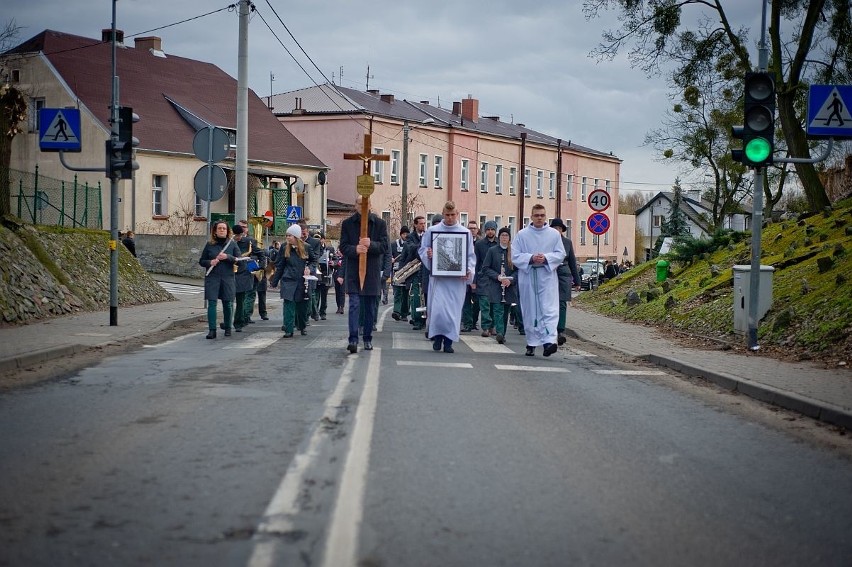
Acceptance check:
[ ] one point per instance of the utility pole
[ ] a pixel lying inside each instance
(113, 190)
(241, 169)
(404, 200)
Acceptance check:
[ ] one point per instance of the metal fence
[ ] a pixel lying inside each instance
(45, 200)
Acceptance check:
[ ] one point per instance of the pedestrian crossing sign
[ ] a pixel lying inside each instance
(828, 111)
(294, 213)
(59, 130)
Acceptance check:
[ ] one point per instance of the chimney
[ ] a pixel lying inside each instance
(387, 98)
(373, 92)
(456, 108)
(106, 36)
(494, 118)
(151, 42)
(470, 109)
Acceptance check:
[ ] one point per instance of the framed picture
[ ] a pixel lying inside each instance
(449, 253)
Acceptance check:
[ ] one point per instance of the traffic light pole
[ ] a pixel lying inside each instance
(113, 190)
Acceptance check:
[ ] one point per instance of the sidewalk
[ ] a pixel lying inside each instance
(822, 394)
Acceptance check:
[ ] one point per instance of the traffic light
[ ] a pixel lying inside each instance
(758, 130)
(120, 152)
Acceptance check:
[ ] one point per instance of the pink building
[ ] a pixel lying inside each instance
(493, 170)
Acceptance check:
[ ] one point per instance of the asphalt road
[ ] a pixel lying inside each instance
(259, 450)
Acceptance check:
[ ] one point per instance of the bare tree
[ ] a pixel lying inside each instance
(13, 112)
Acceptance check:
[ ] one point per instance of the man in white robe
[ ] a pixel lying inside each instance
(537, 252)
(446, 293)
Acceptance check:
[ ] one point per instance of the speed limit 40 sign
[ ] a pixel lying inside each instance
(599, 200)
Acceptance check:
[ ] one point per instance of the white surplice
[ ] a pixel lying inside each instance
(538, 285)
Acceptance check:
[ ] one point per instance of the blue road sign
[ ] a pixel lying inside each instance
(59, 130)
(598, 223)
(828, 111)
(294, 213)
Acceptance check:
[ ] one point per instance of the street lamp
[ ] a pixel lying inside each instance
(403, 206)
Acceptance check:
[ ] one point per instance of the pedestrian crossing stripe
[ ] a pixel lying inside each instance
(466, 365)
(834, 108)
(515, 368)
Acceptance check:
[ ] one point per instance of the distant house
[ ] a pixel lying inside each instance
(651, 216)
(174, 98)
(491, 169)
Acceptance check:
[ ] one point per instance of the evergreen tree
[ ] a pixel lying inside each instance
(676, 224)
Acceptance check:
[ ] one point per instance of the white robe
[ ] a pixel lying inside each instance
(446, 293)
(538, 287)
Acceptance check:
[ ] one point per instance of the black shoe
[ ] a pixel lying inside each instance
(396, 316)
(287, 336)
(466, 329)
(222, 326)
(211, 334)
(530, 351)
(250, 322)
(264, 318)
(560, 340)
(227, 332)
(549, 348)
(322, 317)
(238, 329)
(436, 343)
(448, 346)
(315, 317)
(500, 339)
(368, 345)
(353, 348)
(303, 332)
(418, 327)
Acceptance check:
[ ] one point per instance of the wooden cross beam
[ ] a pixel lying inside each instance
(365, 187)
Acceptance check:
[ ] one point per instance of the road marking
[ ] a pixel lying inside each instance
(181, 289)
(484, 344)
(172, 341)
(620, 372)
(279, 514)
(255, 340)
(434, 364)
(341, 547)
(515, 368)
(411, 341)
(578, 352)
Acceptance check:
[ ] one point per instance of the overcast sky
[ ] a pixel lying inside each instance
(526, 62)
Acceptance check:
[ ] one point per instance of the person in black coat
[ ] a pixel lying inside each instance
(568, 276)
(494, 275)
(218, 257)
(374, 246)
(129, 242)
(336, 263)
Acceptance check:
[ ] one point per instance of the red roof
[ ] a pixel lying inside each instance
(145, 81)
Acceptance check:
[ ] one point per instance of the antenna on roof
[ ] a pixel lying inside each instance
(340, 77)
(369, 76)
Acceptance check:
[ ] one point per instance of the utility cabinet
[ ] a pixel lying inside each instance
(742, 293)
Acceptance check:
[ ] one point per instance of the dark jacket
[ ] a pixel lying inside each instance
(350, 234)
(219, 283)
(409, 253)
(567, 272)
(244, 280)
(495, 260)
(290, 273)
(481, 249)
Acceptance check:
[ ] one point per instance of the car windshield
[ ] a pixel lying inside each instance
(591, 267)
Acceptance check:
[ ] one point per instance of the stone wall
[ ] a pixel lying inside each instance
(173, 255)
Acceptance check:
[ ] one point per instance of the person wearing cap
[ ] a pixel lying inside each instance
(498, 278)
(291, 267)
(218, 257)
(481, 295)
(446, 293)
(569, 277)
(400, 292)
(537, 252)
(243, 278)
(363, 298)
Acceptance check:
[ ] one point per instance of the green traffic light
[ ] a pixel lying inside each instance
(757, 150)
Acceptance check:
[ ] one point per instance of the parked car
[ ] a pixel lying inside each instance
(591, 274)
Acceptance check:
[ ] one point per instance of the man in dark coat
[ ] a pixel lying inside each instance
(569, 277)
(375, 246)
(481, 294)
(243, 278)
(400, 292)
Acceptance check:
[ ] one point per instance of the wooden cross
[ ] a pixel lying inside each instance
(365, 187)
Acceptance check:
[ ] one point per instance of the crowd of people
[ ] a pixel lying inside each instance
(446, 279)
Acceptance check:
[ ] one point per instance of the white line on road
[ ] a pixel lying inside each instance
(484, 344)
(256, 340)
(341, 547)
(515, 368)
(619, 372)
(434, 364)
(279, 514)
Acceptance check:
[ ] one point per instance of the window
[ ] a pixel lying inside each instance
(539, 184)
(526, 182)
(569, 225)
(513, 179)
(608, 186)
(569, 187)
(582, 232)
(439, 171)
(386, 217)
(596, 183)
(423, 165)
(583, 189)
(378, 169)
(498, 179)
(394, 167)
(36, 104)
(526, 222)
(552, 189)
(512, 225)
(483, 177)
(463, 219)
(482, 219)
(499, 220)
(465, 166)
(199, 207)
(606, 237)
(595, 239)
(158, 194)
(658, 221)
